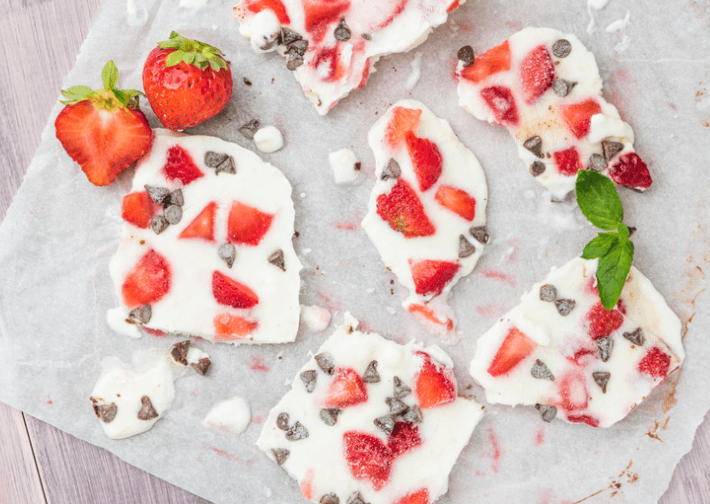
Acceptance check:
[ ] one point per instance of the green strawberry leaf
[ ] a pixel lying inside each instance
(598, 200)
(109, 75)
(174, 58)
(612, 271)
(75, 94)
(121, 97)
(600, 245)
(189, 58)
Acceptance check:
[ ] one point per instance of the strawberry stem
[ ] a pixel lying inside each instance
(192, 52)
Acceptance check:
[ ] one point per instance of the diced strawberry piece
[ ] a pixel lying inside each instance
(454, 5)
(137, 208)
(430, 277)
(587, 419)
(346, 389)
(426, 159)
(181, 166)
(247, 225)
(603, 322)
(573, 392)
(154, 332)
(435, 385)
(490, 62)
(275, 6)
(230, 327)
(229, 292)
(202, 226)
(516, 347)
(655, 363)
(584, 356)
(420, 496)
(403, 121)
(457, 200)
(329, 57)
(631, 171)
(502, 103)
(578, 116)
(429, 315)
(568, 162)
(537, 71)
(404, 437)
(320, 14)
(365, 76)
(403, 211)
(368, 458)
(148, 282)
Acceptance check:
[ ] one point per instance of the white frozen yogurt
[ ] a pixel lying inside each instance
(268, 139)
(231, 416)
(345, 166)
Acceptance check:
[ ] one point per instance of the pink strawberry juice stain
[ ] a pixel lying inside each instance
(496, 450)
(540, 436)
(497, 275)
(257, 364)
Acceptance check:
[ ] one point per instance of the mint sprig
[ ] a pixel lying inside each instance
(599, 202)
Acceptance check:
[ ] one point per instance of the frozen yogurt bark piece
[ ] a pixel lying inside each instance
(427, 211)
(206, 245)
(544, 87)
(368, 420)
(332, 46)
(561, 351)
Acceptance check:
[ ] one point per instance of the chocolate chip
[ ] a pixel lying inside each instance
(173, 214)
(288, 36)
(413, 415)
(325, 362)
(548, 413)
(147, 411)
(201, 366)
(356, 498)
(632, 230)
(561, 48)
(386, 423)
(605, 346)
(159, 224)
(480, 233)
(330, 498)
(548, 293)
(330, 416)
(358, 166)
(371, 375)
(342, 32)
(366, 36)
(270, 42)
(282, 421)
(597, 162)
(228, 253)
(247, 81)
(309, 379)
(465, 247)
(179, 352)
(541, 371)
(601, 378)
(297, 432)
(297, 47)
(157, 194)
(611, 149)
(280, 455)
(214, 159)
(562, 87)
(397, 407)
(391, 170)
(277, 259)
(248, 130)
(294, 61)
(227, 166)
(635, 336)
(400, 389)
(565, 306)
(140, 315)
(537, 168)
(466, 55)
(534, 145)
(105, 412)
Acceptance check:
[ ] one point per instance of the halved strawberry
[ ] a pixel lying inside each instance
(655, 363)
(603, 322)
(430, 277)
(587, 419)
(403, 211)
(490, 62)
(435, 383)
(148, 282)
(420, 496)
(202, 226)
(573, 391)
(631, 171)
(138, 209)
(368, 458)
(501, 101)
(578, 116)
(230, 327)
(346, 389)
(320, 14)
(515, 348)
(274, 6)
(426, 159)
(247, 225)
(457, 200)
(537, 71)
(180, 166)
(403, 121)
(229, 292)
(568, 162)
(404, 437)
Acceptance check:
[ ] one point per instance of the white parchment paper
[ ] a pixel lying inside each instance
(60, 232)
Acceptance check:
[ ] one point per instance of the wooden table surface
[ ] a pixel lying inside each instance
(39, 463)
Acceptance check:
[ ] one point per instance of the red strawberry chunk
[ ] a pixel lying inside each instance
(247, 225)
(275, 6)
(457, 200)
(655, 363)
(631, 171)
(181, 166)
(603, 322)
(429, 315)
(587, 419)
(502, 103)
(229, 292)
(430, 277)
(426, 159)
(403, 211)
(573, 392)
(404, 437)
(490, 62)
(537, 71)
(454, 5)
(138, 209)
(320, 14)
(148, 282)
(329, 57)
(368, 458)
(420, 496)
(202, 226)
(230, 327)
(568, 162)
(435, 383)
(515, 348)
(578, 116)
(346, 389)
(403, 121)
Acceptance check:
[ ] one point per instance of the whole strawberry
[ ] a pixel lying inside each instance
(103, 130)
(186, 82)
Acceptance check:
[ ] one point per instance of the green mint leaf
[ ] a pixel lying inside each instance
(624, 232)
(598, 200)
(109, 75)
(174, 58)
(600, 245)
(613, 268)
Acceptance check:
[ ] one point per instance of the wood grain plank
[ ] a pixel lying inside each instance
(19, 479)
